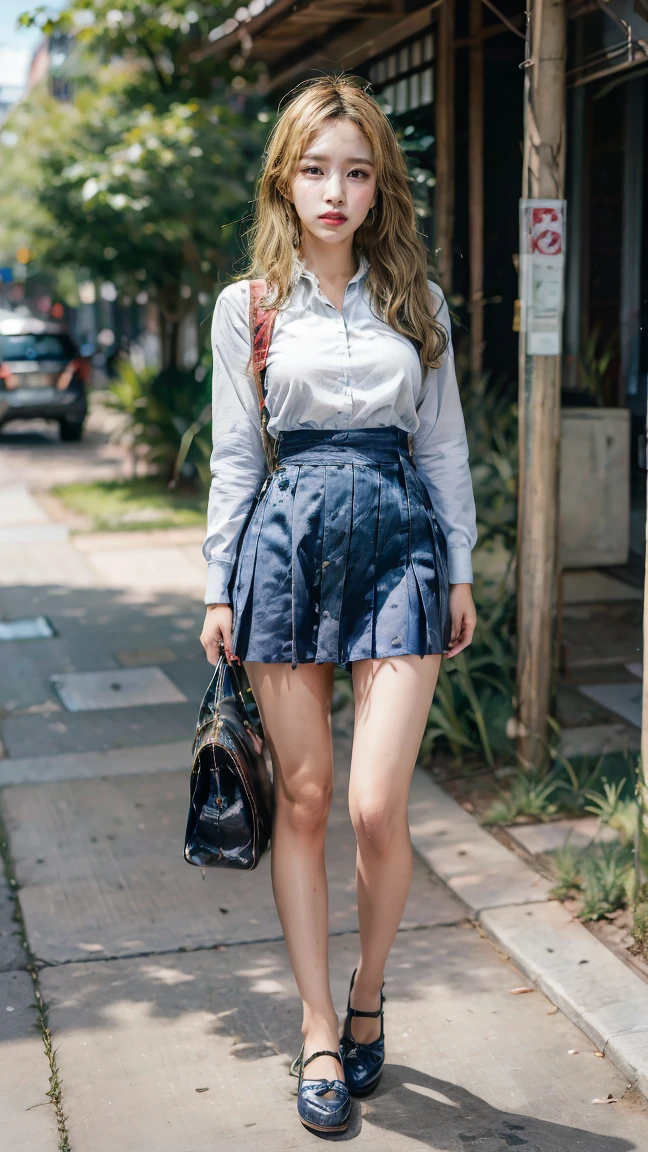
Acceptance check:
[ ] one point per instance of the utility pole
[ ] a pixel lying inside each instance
(476, 188)
(445, 134)
(539, 392)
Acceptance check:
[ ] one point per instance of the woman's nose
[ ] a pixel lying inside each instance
(334, 190)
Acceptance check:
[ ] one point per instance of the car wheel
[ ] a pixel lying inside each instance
(70, 430)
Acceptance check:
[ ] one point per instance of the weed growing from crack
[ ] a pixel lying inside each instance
(54, 1091)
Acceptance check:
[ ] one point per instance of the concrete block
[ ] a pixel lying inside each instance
(623, 699)
(26, 735)
(28, 1120)
(12, 953)
(591, 985)
(90, 765)
(595, 739)
(124, 688)
(468, 1065)
(101, 873)
(536, 838)
(477, 868)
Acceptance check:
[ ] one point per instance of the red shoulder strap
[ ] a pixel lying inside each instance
(261, 325)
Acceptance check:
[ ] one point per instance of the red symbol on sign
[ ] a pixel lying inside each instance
(546, 232)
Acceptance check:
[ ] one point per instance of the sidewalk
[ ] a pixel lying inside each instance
(172, 1008)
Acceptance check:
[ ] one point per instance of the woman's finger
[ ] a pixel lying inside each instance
(464, 638)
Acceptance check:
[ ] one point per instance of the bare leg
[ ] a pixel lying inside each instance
(295, 708)
(392, 702)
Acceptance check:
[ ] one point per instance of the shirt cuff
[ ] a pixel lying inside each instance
(459, 566)
(218, 578)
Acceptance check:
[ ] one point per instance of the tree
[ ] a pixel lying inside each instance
(149, 183)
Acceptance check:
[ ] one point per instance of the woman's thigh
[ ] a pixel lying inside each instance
(295, 709)
(392, 702)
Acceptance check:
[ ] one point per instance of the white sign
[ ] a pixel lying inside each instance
(542, 269)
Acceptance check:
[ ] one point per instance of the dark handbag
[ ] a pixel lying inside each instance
(230, 807)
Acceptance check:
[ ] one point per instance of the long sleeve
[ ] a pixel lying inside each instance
(237, 459)
(441, 456)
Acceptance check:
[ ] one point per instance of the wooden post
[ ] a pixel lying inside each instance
(642, 845)
(539, 394)
(445, 132)
(476, 188)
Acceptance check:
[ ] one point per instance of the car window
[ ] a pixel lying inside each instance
(32, 347)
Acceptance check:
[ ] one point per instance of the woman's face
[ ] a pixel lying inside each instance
(334, 185)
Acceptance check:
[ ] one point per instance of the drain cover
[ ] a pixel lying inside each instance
(27, 628)
(121, 688)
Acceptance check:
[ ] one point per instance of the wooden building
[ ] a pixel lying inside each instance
(451, 74)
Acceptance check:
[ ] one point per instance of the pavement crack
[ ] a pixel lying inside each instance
(31, 966)
(221, 947)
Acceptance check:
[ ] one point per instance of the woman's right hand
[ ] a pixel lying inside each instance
(217, 629)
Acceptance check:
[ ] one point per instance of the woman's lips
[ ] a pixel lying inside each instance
(333, 219)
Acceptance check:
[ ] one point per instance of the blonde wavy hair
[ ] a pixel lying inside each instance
(398, 258)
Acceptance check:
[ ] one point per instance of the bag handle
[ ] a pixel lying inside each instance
(261, 326)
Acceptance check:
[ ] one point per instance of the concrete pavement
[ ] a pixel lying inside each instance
(173, 1011)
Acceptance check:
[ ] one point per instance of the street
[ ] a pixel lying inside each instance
(173, 1012)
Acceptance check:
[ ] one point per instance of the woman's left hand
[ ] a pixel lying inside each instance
(463, 616)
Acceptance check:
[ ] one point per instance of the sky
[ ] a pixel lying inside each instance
(17, 45)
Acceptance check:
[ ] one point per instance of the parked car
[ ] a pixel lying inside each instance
(42, 375)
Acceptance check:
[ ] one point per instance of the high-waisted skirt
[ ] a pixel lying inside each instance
(341, 557)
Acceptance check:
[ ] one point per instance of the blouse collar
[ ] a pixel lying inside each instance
(310, 280)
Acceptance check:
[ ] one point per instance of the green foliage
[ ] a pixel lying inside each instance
(163, 40)
(606, 871)
(490, 408)
(143, 177)
(640, 921)
(600, 876)
(473, 699)
(567, 873)
(158, 408)
(530, 794)
(130, 505)
(605, 805)
(594, 362)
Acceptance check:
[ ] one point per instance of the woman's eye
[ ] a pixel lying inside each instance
(311, 168)
(357, 172)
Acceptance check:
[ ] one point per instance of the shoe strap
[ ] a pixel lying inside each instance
(324, 1052)
(356, 1012)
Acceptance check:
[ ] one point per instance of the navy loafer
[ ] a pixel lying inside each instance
(322, 1105)
(362, 1063)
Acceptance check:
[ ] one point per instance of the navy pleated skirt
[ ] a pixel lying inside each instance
(341, 557)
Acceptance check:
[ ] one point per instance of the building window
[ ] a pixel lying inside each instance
(405, 78)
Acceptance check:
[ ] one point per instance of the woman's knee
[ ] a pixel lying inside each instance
(306, 805)
(377, 823)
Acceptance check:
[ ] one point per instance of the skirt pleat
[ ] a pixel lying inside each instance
(342, 557)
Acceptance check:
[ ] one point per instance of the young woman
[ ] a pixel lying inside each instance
(355, 553)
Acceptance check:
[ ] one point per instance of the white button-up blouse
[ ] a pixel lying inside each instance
(330, 369)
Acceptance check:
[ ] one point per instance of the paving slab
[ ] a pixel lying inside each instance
(28, 734)
(554, 834)
(101, 873)
(34, 562)
(593, 740)
(147, 758)
(602, 995)
(148, 569)
(91, 691)
(477, 868)
(468, 1065)
(26, 628)
(28, 1117)
(623, 699)
(12, 953)
(18, 507)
